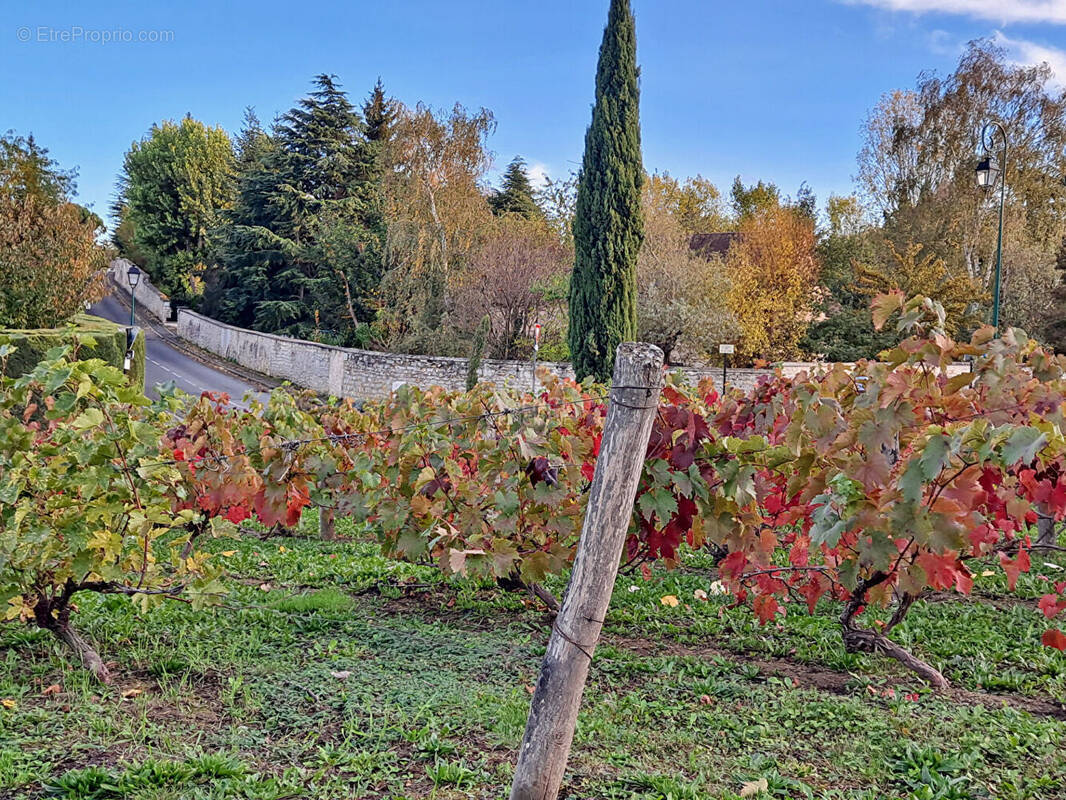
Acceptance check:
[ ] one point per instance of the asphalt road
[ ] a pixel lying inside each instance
(166, 364)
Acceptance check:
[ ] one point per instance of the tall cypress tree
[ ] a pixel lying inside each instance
(516, 196)
(608, 224)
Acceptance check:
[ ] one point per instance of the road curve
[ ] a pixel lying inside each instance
(164, 363)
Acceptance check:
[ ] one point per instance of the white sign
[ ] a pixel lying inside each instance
(726, 349)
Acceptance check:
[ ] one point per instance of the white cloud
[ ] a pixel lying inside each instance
(538, 174)
(1028, 53)
(1001, 11)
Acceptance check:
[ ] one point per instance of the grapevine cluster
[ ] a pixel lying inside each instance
(857, 487)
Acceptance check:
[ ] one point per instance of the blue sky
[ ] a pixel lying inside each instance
(768, 89)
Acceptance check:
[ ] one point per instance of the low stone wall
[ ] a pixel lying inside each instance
(367, 374)
(149, 298)
(343, 371)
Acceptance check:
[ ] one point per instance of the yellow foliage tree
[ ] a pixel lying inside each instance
(928, 276)
(50, 262)
(436, 212)
(773, 270)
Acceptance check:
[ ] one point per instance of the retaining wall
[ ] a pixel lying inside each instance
(362, 374)
(149, 298)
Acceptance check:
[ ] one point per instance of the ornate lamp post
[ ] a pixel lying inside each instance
(988, 171)
(133, 275)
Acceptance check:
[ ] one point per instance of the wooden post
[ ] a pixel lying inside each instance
(327, 524)
(1045, 527)
(553, 713)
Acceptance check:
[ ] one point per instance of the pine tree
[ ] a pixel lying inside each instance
(307, 233)
(608, 226)
(248, 250)
(516, 196)
(379, 114)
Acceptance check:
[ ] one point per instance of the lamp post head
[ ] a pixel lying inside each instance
(133, 275)
(987, 172)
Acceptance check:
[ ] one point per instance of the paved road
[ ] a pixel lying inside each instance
(164, 363)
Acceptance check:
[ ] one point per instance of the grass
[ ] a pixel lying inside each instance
(333, 673)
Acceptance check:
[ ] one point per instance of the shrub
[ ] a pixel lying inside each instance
(86, 502)
(89, 337)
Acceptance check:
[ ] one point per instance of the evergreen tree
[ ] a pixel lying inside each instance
(248, 250)
(252, 143)
(608, 226)
(516, 196)
(379, 114)
(307, 233)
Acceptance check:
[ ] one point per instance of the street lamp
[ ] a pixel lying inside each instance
(988, 171)
(133, 275)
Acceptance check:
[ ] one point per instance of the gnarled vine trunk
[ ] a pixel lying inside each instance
(53, 614)
(864, 640)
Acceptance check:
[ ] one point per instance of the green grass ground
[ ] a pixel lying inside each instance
(334, 673)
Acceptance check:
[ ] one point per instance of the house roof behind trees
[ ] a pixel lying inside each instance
(712, 244)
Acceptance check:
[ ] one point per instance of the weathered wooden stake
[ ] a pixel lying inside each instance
(327, 524)
(631, 410)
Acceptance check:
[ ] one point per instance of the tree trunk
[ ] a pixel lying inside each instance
(557, 698)
(859, 640)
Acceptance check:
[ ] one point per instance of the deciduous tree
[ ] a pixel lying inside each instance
(512, 278)
(695, 204)
(919, 153)
(773, 269)
(50, 261)
(927, 275)
(437, 216)
(176, 182)
(681, 295)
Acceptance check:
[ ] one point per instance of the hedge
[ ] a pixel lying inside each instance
(110, 345)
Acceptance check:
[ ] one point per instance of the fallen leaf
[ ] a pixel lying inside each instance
(228, 553)
(705, 700)
(634, 588)
(129, 694)
(341, 674)
(752, 788)
(718, 588)
(53, 689)
(265, 587)
(8, 703)
(282, 548)
(699, 594)
(987, 573)
(669, 600)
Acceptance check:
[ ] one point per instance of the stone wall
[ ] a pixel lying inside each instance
(149, 298)
(366, 374)
(343, 371)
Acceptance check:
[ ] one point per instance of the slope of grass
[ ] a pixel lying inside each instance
(330, 672)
